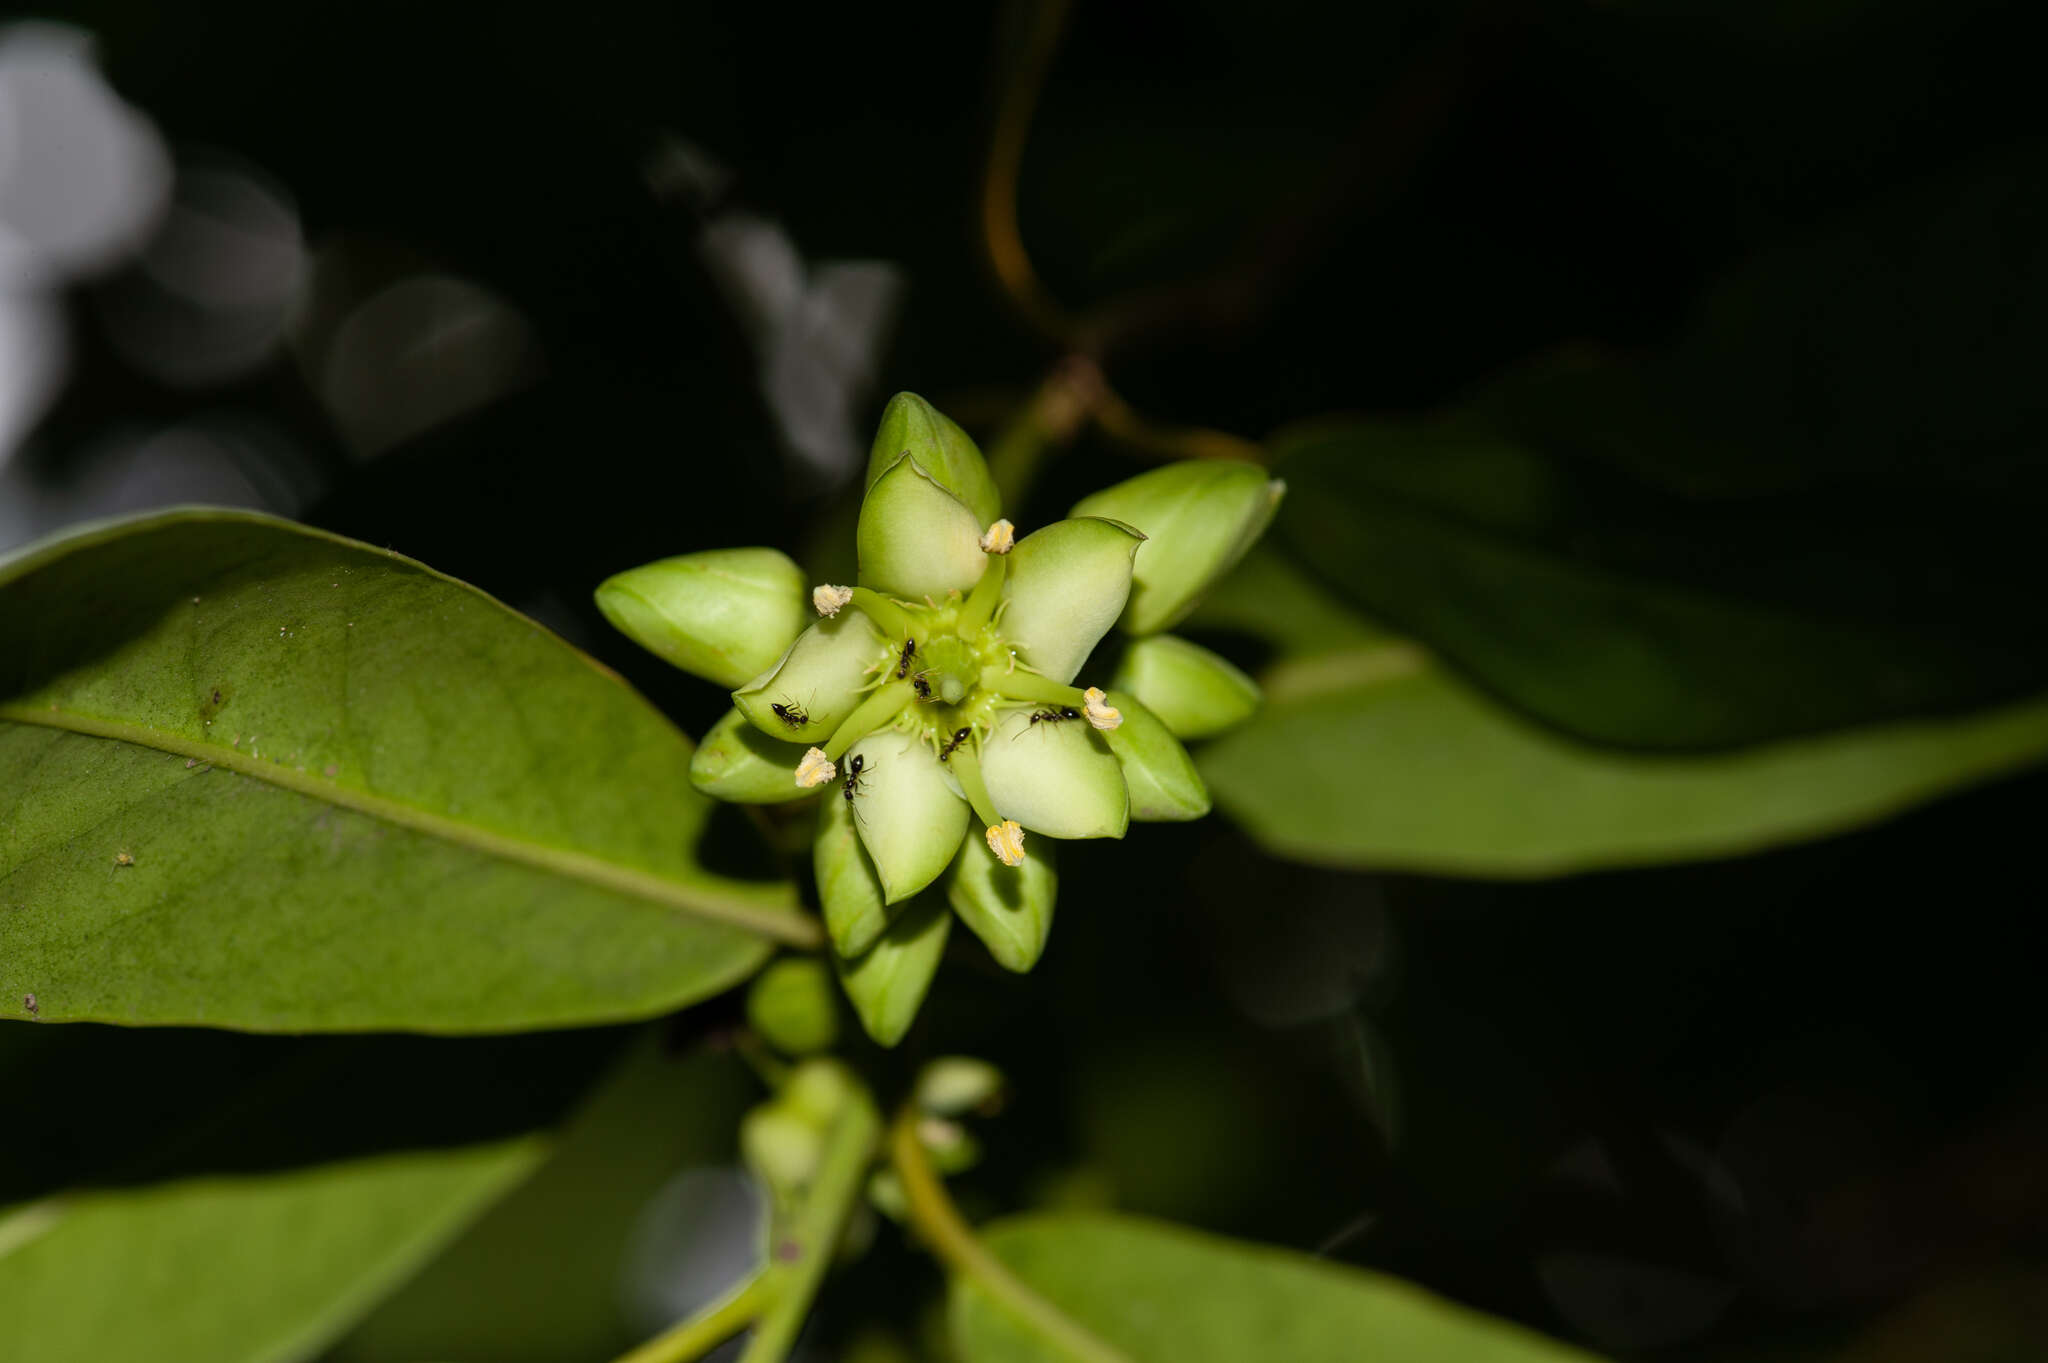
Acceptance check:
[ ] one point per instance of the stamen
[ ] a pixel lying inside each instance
(889, 617)
(1006, 840)
(1033, 688)
(988, 593)
(999, 538)
(815, 769)
(827, 599)
(1100, 712)
(888, 701)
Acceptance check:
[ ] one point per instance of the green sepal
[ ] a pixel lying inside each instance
(912, 426)
(793, 1006)
(821, 677)
(725, 614)
(1067, 585)
(916, 539)
(849, 891)
(1194, 692)
(1199, 517)
(738, 763)
(887, 985)
(1008, 907)
(908, 816)
(1056, 778)
(1163, 783)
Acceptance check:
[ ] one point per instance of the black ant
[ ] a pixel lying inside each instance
(855, 765)
(793, 714)
(922, 687)
(1065, 712)
(903, 663)
(959, 737)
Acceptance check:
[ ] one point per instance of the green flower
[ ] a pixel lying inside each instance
(933, 705)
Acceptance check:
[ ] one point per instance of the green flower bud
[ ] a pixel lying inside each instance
(957, 1084)
(782, 1148)
(951, 1146)
(912, 426)
(794, 1007)
(886, 1195)
(1055, 777)
(1008, 908)
(1164, 785)
(1198, 517)
(817, 682)
(908, 817)
(819, 1090)
(725, 614)
(738, 763)
(916, 539)
(1195, 693)
(1067, 585)
(888, 984)
(848, 888)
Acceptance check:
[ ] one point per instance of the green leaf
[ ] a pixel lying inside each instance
(265, 778)
(1379, 758)
(1416, 524)
(235, 1269)
(1157, 1293)
(549, 1274)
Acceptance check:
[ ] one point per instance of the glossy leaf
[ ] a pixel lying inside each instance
(266, 778)
(1379, 758)
(1158, 1293)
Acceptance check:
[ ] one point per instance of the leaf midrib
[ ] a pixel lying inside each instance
(796, 929)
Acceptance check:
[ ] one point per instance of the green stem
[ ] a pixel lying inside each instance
(1030, 687)
(833, 1194)
(885, 704)
(709, 1328)
(981, 606)
(889, 617)
(950, 1237)
(967, 771)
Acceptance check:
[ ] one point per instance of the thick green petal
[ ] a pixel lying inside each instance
(1194, 692)
(912, 426)
(1058, 778)
(1164, 785)
(1067, 584)
(1008, 908)
(848, 888)
(738, 763)
(818, 680)
(915, 538)
(1198, 517)
(888, 984)
(725, 614)
(908, 815)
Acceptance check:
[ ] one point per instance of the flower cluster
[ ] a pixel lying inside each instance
(933, 702)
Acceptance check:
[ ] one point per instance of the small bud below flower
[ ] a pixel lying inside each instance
(1101, 713)
(815, 769)
(999, 538)
(829, 600)
(1006, 840)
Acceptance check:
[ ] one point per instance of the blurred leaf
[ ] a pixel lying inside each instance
(544, 1274)
(269, 779)
(235, 1269)
(1163, 1294)
(1379, 758)
(1629, 618)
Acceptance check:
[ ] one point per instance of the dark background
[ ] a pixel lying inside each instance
(1787, 1106)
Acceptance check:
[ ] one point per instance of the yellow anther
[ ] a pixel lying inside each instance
(1100, 712)
(1006, 840)
(999, 538)
(815, 769)
(830, 600)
